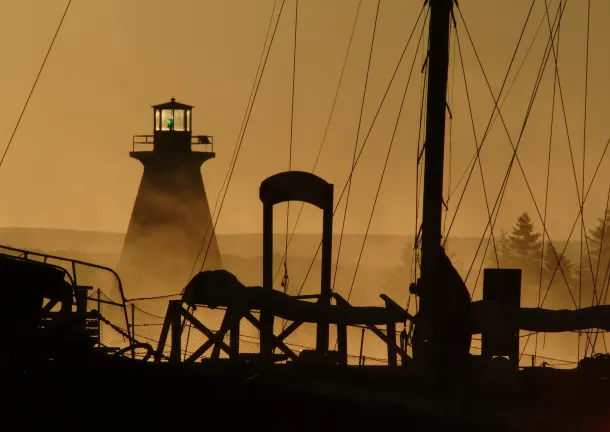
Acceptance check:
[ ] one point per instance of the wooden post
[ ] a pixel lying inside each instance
(503, 286)
(99, 314)
(234, 333)
(133, 329)
(266, 317)
(360, 360)
(391, 329)
(342, 343)
(176, 305)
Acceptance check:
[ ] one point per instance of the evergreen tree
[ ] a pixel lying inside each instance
(599, 243)
(550, 266)
(397, 284)
(524, 248)
(504, 254)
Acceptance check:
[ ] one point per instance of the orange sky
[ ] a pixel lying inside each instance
(68, 166)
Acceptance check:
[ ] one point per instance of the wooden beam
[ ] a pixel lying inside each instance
(273, 338)
(203, 329)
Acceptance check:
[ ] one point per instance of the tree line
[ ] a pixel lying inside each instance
(523, 248)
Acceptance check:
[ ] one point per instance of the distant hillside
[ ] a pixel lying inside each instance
(380, 250)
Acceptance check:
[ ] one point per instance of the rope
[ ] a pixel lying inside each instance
(548, 176)
(577, 217)
(10, 141)
(115, 328)
(367, 136)
(245, 122)
(503, 188)
(451, 99)
(349, 182)
(286, 279)
(385, 164)
(487, 129)
(332, 110)
(582, 184)
(477, 149)
(515, 148)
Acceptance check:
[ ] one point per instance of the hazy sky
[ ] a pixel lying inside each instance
(68, 166)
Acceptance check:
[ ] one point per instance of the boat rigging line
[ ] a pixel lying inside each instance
(286, 279)
(44, 62)
(381, 104)
(548, 176)
(245, 122)
(477, 151)
(538, 80)
(504, 98)
(349, 182)
(496, 107)
(515, 148)
(552, 35)
(582, 184)
(330, 117)
(385, 164)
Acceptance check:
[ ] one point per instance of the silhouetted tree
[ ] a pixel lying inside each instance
(550, 267)
(397, 284)
(599, 247)
(503, 250)
(525, 248)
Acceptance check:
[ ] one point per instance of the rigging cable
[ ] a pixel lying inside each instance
(580, 199)
(369, 132)
(477, 149)
(235, 149)
(419, 168)
(538, 80)
(240, 140)
(485, 134)
(504, 98)
(515, 148)
(577, 218)
(451, 100)
(548, 176)
(10, 141)
(332, 110)
(597, 270)
(385, 164)
(582, 184)
(286, 279)
(349, 183)
(550, 47)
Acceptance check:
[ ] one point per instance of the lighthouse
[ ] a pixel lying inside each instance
(171, 229)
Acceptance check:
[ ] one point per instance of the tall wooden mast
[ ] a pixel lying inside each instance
(434, 303)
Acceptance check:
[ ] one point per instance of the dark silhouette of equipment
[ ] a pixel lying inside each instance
(222, 289)
(171, 217)
(44, 315)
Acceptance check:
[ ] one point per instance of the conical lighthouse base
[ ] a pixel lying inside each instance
(170, 229)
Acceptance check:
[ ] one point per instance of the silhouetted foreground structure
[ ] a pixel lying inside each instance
(171, 224)
(58, 334)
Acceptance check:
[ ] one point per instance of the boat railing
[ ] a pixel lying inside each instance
(104, 292)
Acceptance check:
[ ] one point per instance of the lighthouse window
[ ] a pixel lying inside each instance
(179, 120)
(188, 120)
(157, 120)
(167, 120)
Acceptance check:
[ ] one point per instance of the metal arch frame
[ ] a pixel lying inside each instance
(305, 187)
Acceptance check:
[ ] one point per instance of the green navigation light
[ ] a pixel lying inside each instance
(170, 123)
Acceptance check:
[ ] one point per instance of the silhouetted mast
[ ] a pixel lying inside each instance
(433, 301)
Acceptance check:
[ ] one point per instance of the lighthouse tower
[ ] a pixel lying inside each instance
(170, 224)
